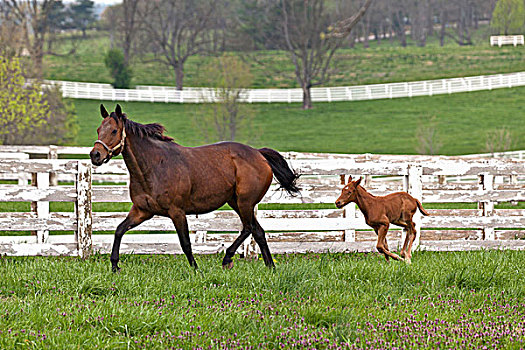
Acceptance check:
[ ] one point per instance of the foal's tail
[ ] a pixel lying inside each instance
(286, 176)
(421, 209)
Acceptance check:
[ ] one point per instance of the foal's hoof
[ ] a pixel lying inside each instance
(228, 266)
(115, 269)
(408, 261)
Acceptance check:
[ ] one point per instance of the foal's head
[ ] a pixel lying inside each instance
(111, 136)
(348, 194)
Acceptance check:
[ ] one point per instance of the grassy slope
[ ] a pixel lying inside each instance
(461, 300)
(379, 64)
(382, 126)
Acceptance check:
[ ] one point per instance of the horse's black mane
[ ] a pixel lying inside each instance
(153, 130)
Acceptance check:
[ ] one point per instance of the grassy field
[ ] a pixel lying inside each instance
(378, 64)
(381, 126)
(443, 300)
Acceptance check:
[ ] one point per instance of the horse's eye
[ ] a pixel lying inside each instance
(114, 132)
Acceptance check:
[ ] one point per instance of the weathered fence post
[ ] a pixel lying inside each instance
(349, 214)
(83, 210)
(413, 184)
(53, 154)
(42, 208)
(486, 184)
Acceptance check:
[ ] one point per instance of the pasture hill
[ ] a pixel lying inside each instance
(444, 300)
(463, 122)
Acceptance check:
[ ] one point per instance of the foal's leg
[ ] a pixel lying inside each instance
(407, 237)
(382, 231)
(181, 225)
(376, 229)
(135, 217)
(413, 233)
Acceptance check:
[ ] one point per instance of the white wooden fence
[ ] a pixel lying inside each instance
(328, 94)
(507, 40)
(297, 230)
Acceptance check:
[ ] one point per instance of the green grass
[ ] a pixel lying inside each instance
(380, 126)
(443, 300)
(378, 64)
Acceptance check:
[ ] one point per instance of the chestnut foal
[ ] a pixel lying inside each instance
(396, 208)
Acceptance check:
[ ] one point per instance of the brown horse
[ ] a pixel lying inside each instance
(170, 180)
(396, 208)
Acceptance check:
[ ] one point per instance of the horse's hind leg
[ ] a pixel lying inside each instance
(135, 217)
(260, 238)
(227, 262)
(181, 225)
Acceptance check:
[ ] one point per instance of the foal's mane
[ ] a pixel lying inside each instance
(153, 130)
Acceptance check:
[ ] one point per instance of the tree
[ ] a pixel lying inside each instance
(35, 21)
(226, 117)
(30, 115)
(508, 16)
(82, 15)
(118, 68)
(33, 17)
(177, 30)
(428, 139)
(124, 23)
(311, 36)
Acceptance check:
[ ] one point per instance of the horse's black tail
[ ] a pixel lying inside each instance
(282, 172)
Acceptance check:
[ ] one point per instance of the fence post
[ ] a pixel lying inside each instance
(42, 208)
(413, 184)
(53, 154)
(83, 210)
(486, 184)
(349, 215)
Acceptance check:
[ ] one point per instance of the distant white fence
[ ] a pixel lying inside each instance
(507, 40)
(299, 230)
(328, 94)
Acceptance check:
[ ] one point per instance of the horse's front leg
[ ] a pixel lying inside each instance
(135, 217)
(178, 217)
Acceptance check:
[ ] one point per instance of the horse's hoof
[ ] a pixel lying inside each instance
(115, 269)
(228, 266)
(408, 261)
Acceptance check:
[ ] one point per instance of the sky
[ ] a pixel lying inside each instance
(102, 2)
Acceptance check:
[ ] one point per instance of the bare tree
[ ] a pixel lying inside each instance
(311, 35)
(35, 20)
(225, 117)
(33, 16)
(499, 140)
(428, 140)
(177, 30)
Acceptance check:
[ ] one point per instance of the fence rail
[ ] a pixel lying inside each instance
(507, 40)
(328, 94)
(296, 230)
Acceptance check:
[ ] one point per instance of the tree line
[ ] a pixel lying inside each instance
(310, 32)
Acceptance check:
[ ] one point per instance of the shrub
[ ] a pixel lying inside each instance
(30, 115)
(120, 72)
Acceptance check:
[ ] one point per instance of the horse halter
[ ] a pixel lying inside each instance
(110, 151)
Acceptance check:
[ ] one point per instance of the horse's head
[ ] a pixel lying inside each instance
(348, 194)
(111, 136)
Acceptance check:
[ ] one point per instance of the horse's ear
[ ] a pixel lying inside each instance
(349, 178)
(358, 182)
(118, 110)
(103, 111)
